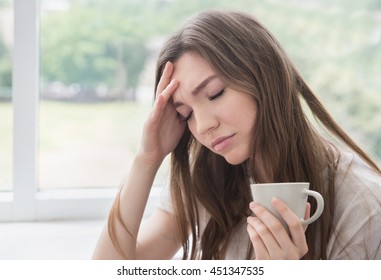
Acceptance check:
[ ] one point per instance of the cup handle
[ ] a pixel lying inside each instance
(319, 209)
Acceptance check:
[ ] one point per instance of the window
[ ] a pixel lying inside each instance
(82, 75)
(96, 90)
(91, 111)
(6, 109)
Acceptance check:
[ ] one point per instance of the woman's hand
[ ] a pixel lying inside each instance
(269, 237)
(163, 129)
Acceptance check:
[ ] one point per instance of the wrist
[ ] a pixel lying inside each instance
(144, 161)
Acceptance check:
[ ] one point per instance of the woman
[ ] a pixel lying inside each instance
(229, 110)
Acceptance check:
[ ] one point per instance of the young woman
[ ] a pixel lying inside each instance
(229, 110)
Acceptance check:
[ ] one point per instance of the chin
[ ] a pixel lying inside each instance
(235, 160)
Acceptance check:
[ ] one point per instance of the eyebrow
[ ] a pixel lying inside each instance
(203, 84)
(198, 88)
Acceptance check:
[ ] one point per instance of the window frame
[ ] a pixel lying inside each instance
(25, 202)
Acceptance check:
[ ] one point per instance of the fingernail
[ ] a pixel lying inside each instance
(274, 200)
(165, 67)
(252, 205)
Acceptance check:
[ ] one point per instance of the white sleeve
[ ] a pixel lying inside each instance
(164, 201)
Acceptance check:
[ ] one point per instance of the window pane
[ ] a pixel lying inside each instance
(95, 94)
(6, 110)
(97, 72)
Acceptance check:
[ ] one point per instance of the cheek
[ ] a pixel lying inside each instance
(250, 116)
(193, 130)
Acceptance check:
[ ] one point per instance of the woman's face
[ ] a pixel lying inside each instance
(219, 117)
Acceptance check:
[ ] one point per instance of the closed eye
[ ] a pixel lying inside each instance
(185, 119)
(217, 95)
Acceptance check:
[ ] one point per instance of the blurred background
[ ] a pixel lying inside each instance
(97, 69)
(96, 77)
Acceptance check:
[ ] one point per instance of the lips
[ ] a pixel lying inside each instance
(220, 143)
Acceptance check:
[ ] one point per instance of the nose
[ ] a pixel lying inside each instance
(205, 120)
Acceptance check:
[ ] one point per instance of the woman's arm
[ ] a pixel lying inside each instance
(157, 239)
(133, 199)
(161, 134)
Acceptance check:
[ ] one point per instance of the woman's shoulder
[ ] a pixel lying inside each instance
(354, 172)
(357, 214)
(357, 189)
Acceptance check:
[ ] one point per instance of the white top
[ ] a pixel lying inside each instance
(357, 214)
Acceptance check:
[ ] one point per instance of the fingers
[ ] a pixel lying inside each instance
(294, 225)
(307, 215)
(269, 227)
(260, 249)
(265, 243)
(165, 89)
(270, 238)
(163, 128)
(165, 78)
(293, 222)
(163, 97)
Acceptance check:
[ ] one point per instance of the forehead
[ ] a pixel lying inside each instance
(191, 69)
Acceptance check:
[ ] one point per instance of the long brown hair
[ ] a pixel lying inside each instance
(249, 59)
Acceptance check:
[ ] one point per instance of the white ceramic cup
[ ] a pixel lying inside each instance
(293, 194)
